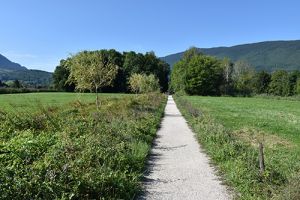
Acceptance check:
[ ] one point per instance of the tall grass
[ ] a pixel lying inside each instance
(76, 152)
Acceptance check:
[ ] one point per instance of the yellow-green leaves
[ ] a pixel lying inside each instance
(141, 83)
(92, 71)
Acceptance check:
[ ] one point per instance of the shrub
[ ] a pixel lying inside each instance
(141, 83)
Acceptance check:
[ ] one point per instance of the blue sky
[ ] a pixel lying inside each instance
(38, 33)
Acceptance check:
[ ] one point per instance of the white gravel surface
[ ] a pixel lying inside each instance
(177, 168)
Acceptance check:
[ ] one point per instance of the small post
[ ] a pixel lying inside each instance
(261, 158)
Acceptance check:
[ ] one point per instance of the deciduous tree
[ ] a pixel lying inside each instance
(280, 83)
(92, 71)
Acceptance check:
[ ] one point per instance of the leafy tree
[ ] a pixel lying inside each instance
(280, 83)
(157, 67)
(227, 86)
(203, 76)
(261, 82)
(150, 83)
(133, 63)
(61, 75)
(147, 64)
(135, 82)
(119, 83)
(16, 84)
(178, 77)
(128, 63)
(141, 83)
(293, 78)
(92, 71)
(298, 87)
(190, 53)
(196, 73)
(243, 74)
(2, 84)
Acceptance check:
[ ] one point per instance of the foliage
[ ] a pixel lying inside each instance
(72, 152)
(147, 64)
(203, 76)
(197, 74)
(227, 87)
(280, 83)
(17, 84)
(61, 75)
(297, 86)
(293, 78)
(243, 75)
(135, 83)
(92, 71)
(128, 63)
(141, 83)
(261, 81)
(229, 130)
(2, 84)
(178, 75)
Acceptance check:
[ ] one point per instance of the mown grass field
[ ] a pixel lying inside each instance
(32, 101)
(229, 128)
(64, 148)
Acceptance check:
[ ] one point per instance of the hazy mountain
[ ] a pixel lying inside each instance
(269, 55)
(12, 71)
(9, 65)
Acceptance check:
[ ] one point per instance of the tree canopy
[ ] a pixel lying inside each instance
(197, 74)
(128, 63)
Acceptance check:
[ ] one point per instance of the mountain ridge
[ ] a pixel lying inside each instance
(13, 71)
(5, 63)
(266, 55)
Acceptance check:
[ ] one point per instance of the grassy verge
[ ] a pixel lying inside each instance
(76, 152)
(229, 129)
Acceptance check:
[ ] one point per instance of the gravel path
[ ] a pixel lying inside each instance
(177, 167)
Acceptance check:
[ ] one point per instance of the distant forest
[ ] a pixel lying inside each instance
(128, 63)
(199, 74)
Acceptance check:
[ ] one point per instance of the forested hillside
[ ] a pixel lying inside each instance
(14, 71)
(269, 56)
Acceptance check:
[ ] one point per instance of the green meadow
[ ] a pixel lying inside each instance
(230, 128)
(32, 101)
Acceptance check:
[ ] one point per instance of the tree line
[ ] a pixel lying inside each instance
(124, 65)
(199, 74)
